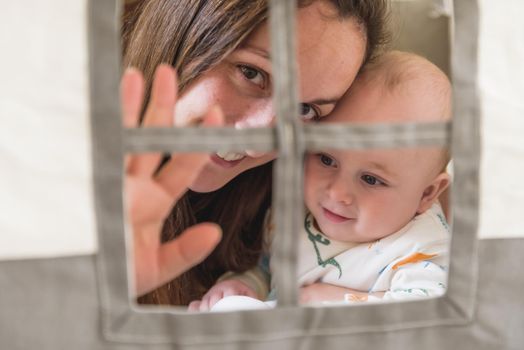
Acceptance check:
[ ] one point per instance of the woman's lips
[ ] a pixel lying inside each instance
(225, 163)
(334, 217)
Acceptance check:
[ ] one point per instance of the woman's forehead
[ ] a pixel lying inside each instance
(330, 51)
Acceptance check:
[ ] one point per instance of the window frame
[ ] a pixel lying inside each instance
(123, 321)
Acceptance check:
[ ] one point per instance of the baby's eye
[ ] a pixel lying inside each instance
(308, 112)
(371, 180)
(253, 75)
(326, 160)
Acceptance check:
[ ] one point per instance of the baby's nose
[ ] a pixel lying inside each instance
(340, 191)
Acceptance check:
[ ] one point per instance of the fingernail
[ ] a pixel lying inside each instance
(131, 69)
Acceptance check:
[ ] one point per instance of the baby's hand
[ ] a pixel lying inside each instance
(219, 291)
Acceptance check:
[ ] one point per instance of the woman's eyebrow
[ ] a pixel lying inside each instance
(258, 51)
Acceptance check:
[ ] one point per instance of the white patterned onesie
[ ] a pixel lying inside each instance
(409, 263)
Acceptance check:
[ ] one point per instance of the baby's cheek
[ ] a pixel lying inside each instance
(308, 196)
(310, 183)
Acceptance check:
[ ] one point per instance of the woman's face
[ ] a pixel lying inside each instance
(330, 52)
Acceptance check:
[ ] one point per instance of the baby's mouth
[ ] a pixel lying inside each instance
(334, 217)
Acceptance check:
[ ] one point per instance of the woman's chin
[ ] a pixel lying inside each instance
(210, 180)
(205, 185)
(215, 174)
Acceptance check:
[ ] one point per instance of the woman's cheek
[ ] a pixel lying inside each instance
(196, 101)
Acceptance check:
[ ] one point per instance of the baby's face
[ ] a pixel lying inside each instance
(362, 196)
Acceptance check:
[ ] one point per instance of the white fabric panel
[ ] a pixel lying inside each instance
(46, 201)
(501, 80)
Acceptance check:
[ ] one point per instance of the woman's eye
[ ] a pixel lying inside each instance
(253, 75)
(371, 180)
(307, 112)
(327, 161)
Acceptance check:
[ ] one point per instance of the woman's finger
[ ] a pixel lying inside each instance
(183, 168)
(143, 165)
(131, 97)
(180, 172)
(214, 117)
(145, 201)
(160, 111)
(189, 249)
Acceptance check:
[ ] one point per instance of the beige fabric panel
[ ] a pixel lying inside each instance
(46, 201)
(434, 41)
(501, 84)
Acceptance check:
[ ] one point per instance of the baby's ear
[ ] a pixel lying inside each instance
(433, 191)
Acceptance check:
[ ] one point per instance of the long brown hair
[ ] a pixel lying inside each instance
(194, 36)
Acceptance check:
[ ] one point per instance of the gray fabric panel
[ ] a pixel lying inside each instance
(316, 136)
(106, 128)
(466, 156)
(325, 136)
(53, 304)
(408, 19)
(288, 173)
(199, 139)
(120, 322)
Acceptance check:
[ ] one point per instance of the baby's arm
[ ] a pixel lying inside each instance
(418, 280)
(318, 292)
(424, 279)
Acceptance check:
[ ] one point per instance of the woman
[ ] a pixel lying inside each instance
(220, 49)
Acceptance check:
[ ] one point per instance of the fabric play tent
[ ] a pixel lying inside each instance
(63, 281)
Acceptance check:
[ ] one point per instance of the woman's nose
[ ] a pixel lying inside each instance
(251, 114)
(256, 114)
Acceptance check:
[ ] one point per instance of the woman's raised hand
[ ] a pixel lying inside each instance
(150, 196)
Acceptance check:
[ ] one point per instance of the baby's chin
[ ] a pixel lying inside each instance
(346, 235)
(340, 235)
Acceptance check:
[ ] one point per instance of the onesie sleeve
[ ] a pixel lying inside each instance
(421, 273)
(421, 279)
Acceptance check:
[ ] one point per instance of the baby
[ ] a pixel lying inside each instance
(374, 229)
